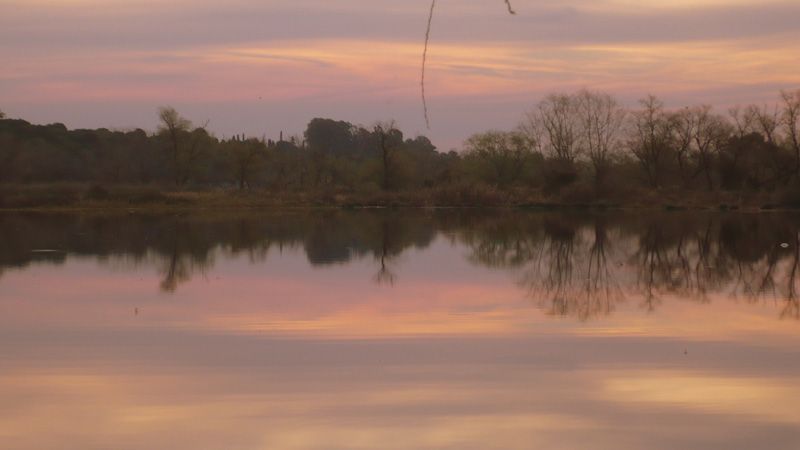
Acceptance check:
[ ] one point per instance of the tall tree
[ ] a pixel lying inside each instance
(556, 117)
(651, 138)
(184, 143)
(389, 141)
(744, 119)
(711, 131)
(791, 124)
(684, 127)
(600, 119)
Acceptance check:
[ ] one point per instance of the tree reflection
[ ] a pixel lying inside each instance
(602, 289)
(569, 276)
(573, 265)
(384, 274)
(792, 307)
(186, 258)
(181, 247)
(580, 265)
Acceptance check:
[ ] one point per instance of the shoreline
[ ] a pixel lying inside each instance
(153, 198)
(543, 207)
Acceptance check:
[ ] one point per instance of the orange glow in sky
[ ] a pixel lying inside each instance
(261, 67)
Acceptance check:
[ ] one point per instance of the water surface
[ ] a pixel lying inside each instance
(400, 330)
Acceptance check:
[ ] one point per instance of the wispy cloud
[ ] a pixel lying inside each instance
(353, 52)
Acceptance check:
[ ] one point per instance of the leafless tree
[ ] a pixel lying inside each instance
(684, 127)
(699, 134)
(710, 132)
(790, 119)
(389, 139)
(652, 132)
(767, 121)
(744, 119)
(556, 116)
(600, 119)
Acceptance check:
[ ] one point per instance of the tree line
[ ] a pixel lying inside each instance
(581, 145)
(183, 155)
(589, 137)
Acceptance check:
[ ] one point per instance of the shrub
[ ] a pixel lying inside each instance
(558, 174)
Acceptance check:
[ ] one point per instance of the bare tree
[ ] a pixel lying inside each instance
(389, 139)
(767, 121)
(790, 119)
(699, 135)
(744, 119)
(557, 117)
(652, 132)
(710, 132)
(684, 127)
(600, 118)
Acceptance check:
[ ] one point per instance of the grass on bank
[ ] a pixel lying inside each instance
(86, 196)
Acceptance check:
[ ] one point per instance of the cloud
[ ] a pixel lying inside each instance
(338, 57)
(202, 23)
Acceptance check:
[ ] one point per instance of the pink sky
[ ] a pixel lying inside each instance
(259, 67)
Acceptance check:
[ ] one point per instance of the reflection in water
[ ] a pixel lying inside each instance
(399, 329)
(578, 265)
(582, 265)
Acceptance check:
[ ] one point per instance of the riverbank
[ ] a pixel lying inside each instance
(54, 197)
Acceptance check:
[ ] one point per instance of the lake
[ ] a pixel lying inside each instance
(400, 329)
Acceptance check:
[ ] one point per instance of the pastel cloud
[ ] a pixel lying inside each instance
(283, 62)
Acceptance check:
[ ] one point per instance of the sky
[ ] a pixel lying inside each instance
(262, 67)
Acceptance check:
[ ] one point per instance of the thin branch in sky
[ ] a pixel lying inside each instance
(424, 59)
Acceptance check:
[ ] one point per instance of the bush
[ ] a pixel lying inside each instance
(558, 174)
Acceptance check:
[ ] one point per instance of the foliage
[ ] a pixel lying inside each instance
(571, 147)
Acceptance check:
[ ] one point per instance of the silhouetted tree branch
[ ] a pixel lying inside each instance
(425, 56)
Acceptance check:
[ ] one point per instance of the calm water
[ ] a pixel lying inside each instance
(400, 330)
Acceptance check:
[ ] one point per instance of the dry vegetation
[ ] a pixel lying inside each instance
(575, 149)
